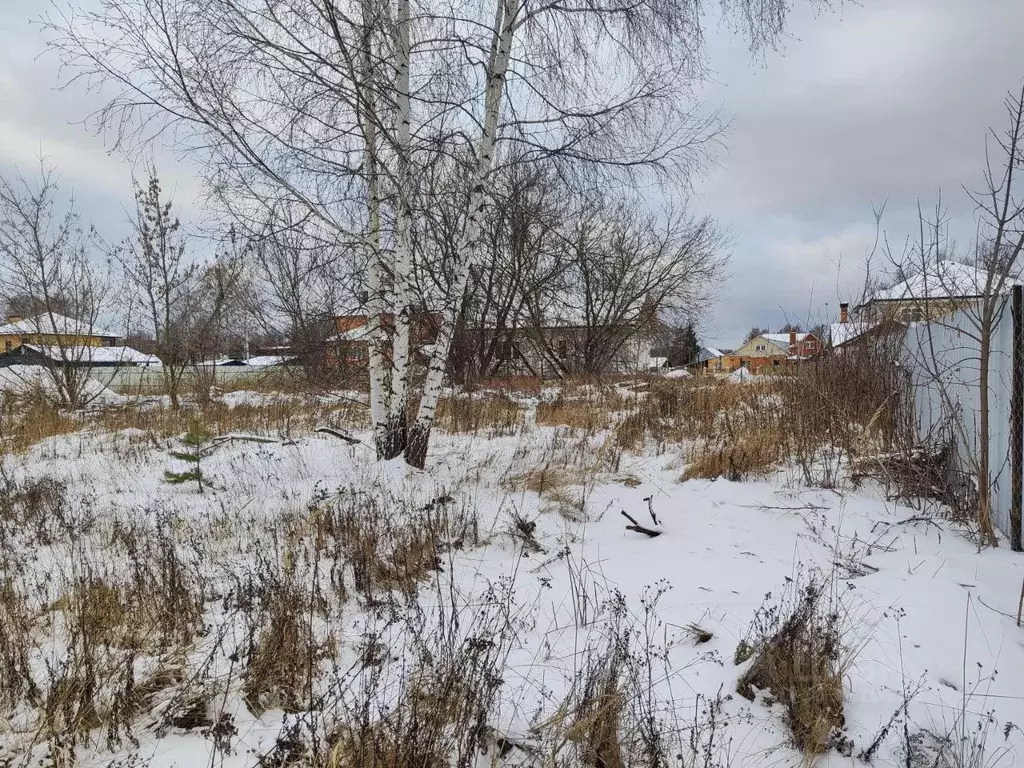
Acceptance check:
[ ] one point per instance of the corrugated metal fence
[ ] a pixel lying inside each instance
(944, 363)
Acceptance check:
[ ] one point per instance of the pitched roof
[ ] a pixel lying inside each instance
(783, 338)
(840, 333)
(55, 324)
(942, 280)
(709, 353)
(96, 355)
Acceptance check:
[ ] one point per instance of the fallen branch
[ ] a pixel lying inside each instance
(340, 435)
(639, 528)
(217, 442)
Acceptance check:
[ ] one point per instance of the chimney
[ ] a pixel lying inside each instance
(844, 312)
(792, 340)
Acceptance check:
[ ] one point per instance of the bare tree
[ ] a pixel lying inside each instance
(340, 105)
(626, 271)
(753, 333)
(219, 306)
(163, 281)
(53, 267)
(301, 282)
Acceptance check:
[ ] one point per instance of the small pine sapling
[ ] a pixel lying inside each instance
(194, 440)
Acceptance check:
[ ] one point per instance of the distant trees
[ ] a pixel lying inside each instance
(680, 345)
(753, 333)
(300, 282)
(52, 267)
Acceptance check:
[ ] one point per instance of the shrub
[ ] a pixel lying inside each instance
(798, 656)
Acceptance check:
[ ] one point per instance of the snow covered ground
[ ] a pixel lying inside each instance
(544, 574)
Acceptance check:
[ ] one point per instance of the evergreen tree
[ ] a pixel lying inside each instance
(195, 440)
(684, 347)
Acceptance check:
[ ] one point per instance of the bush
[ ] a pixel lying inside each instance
(798, 656)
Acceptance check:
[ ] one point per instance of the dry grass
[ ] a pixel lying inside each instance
(562, 488)
(281, 661)
(24, 425)
(387, 545)
(597, 723)
(589, 410)
(26, 420)
(744, 457)
(799, 657)
(493, 416)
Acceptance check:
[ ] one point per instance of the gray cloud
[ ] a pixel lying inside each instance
(885, 101)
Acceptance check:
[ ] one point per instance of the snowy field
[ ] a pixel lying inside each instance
(314, 607)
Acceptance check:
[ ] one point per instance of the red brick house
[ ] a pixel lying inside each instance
(350, 344)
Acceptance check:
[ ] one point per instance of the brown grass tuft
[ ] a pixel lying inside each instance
(281, 663)
(799, 658)
(745, 457)
(491, 415)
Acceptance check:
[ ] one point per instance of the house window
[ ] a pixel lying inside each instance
(563, 348)
(760, 347)
(911, 314)
(504, 349)
(775, 362)
(808, 345)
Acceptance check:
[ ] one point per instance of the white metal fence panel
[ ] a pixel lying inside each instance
(944, 362)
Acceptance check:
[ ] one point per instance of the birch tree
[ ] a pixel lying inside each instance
(341, 105)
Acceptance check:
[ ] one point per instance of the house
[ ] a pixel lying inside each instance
(714, 360)
(554, 349)
(350, 342)
(937, 290)
(51, 329)
(544, 352)
(776, 351)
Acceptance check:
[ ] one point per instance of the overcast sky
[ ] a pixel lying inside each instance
(886, 100)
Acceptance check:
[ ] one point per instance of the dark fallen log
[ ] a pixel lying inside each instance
(639, 528)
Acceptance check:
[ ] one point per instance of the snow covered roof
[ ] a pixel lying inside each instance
(96, 355)
(55, 324)
(841, 333)
(783, 338)
(709, 353)
(942, 280)
(262, 361)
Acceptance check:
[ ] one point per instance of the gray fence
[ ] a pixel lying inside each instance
(131, 380)
(943, 359)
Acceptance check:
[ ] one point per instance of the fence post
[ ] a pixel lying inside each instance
(1017, 420)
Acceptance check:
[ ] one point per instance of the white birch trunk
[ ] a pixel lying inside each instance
(403, 226)
(504, 31)
(374, 304)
